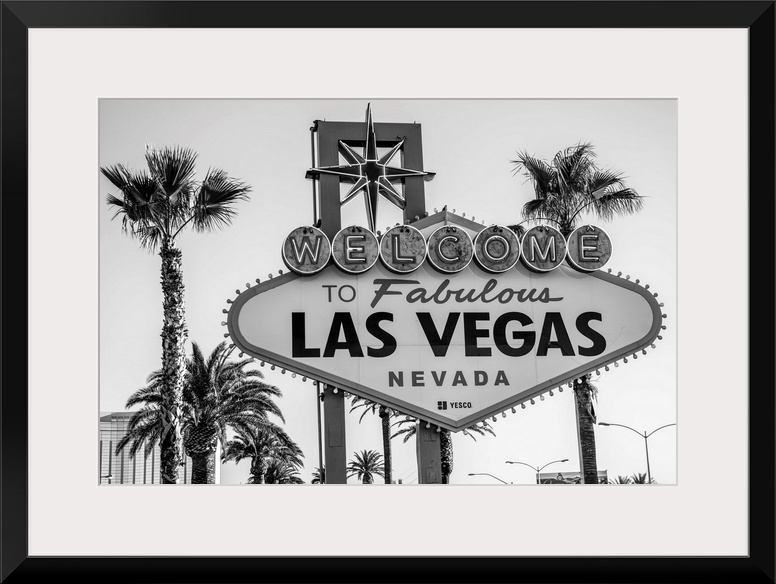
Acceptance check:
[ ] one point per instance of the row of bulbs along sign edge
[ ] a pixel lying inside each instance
(446, 320)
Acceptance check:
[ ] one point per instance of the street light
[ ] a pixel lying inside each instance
(472, 474)
(536, 468)
(643, 435)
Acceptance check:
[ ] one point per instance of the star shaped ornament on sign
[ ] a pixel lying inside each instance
(371, 174)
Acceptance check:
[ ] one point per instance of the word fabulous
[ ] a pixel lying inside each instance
(449, 249)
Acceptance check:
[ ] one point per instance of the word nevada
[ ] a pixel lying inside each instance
(448, 249)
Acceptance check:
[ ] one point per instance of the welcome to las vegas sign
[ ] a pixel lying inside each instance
(450, 343)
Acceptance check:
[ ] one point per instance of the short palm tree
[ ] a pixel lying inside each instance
(280, 472)
(620, 480)
(365, 465)
(266, 446)
(319, 476)
(385, 414)
(155, 206)
(218, 394)
(410, 429)
(566, 188)
(640, 478)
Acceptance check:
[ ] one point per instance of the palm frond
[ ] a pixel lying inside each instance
(541, 174)
(172, 168)
(534, 209)
(573, 166)
(621, 202)
(139, 207)
(480, 429)
(215, 200)
(620, 480)
(142, 429)
(151, 394)
(604, 180)
(408, 432)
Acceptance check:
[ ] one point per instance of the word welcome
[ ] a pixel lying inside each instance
(448, 249)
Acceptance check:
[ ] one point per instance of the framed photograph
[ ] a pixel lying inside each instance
(291, 110)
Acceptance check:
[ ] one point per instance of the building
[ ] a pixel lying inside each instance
(568, 478)
(142, 470)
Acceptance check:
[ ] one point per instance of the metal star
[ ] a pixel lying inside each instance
(371, 174)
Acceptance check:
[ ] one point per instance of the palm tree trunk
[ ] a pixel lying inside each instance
(446, 446)
(258, 470)
(173, 361)
(586, 431)
(385, 417)
(203, 468)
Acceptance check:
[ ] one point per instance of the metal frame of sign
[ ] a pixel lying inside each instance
(329, 135)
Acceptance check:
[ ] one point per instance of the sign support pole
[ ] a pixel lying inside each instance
(429, 454)
(333, 403)
(318, 398)
(334, 435)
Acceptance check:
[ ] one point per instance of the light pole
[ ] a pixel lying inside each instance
(643, 435)
(472, 474)
(536, 468)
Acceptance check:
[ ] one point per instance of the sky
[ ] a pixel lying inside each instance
(469, 145)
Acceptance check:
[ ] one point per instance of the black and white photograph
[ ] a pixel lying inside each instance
(418, 291)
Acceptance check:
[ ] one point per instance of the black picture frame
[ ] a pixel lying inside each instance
(20, 16)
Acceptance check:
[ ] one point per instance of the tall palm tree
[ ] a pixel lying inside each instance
(410, 429)
(365, 465)
(385, 414)
(266, 446)
(155, 205)
(566, 188)
(218, 394)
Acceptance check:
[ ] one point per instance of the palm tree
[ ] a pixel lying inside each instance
(280, 472)
(620, 480)
(445, 440)
(566, 187)
(319, 476)
(640, 478)
(365, 465)
(385, 414)
(267, 447)
(571, 184)
(218, 394)
(155, 206)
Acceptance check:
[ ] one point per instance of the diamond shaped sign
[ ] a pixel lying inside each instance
(453, 348)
